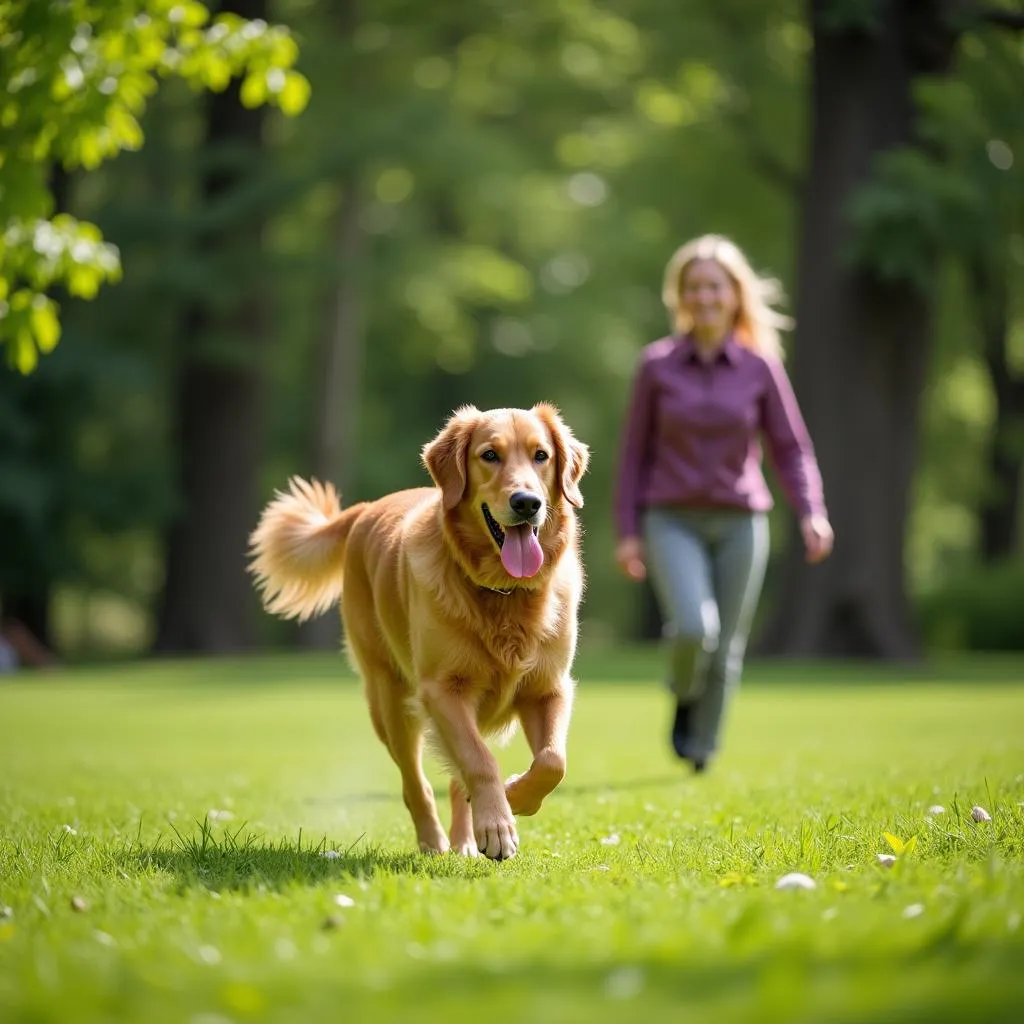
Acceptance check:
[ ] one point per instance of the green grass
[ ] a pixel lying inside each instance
(641, 893)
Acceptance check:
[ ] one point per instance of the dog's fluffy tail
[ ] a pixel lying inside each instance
(298, 549)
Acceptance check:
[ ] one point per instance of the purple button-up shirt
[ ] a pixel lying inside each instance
(692, 435)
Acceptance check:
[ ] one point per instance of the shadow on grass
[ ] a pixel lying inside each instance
(239, 860)
(623, 785)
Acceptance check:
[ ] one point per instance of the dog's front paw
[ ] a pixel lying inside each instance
(496, 835)
(522, 798)
(525, 793)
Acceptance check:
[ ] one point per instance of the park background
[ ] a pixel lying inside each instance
(411, 206)
(289, 237)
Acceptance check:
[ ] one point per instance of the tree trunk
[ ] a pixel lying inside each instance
(208, 599)
(1000, 512)
(338, 384)
(862, 345)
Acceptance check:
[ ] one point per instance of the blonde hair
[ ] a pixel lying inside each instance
(757, 323)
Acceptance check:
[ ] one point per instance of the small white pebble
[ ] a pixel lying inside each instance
(936, 809)
(914, 910)
(612, 840)
(330, 854)
(886, 859)
(341, 900)
(980, 814)
(6, 913)
(79, 905)
(796, 880)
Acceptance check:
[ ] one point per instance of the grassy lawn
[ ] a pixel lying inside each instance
(163, 831)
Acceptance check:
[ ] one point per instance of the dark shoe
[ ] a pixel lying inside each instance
(681, 728)
(700, 766)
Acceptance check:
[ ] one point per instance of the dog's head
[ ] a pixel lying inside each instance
(510, 473)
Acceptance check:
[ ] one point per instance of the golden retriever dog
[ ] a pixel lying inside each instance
(460, 609)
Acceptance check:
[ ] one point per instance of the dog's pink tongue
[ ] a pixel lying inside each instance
(521, 553)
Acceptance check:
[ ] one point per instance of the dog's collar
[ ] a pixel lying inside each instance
(495, 590)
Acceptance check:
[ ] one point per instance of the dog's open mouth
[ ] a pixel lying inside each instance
(521, 553)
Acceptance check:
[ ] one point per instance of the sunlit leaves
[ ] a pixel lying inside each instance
(78, 78)
(960, 192)
(911, 208)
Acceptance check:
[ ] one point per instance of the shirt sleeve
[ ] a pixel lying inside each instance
(789, 444)
(634, 453)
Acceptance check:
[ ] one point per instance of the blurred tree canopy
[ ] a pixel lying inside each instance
(477, 205)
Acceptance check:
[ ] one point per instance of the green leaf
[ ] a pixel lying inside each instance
(910, 845)
(295, 94)
(254, 90)
(895, 842)
(191, 15)
(84, 281)
(25, 356)
(126, 130)
(45, 325)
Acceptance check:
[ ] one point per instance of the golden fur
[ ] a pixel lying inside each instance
(447, 642)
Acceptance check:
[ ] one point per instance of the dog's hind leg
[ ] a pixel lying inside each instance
(402, 732)
(461, 833)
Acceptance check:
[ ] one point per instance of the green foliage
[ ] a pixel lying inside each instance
(853, 16)
(78, 77)
(911, 210)
(977, 608)
(80, 465)
(958, 193)
(520, 175)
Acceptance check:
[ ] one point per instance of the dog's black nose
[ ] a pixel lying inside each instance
(525, 504)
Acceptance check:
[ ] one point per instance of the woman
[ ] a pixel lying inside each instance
(691, 501)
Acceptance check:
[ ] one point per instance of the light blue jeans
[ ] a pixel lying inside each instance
(706, 567)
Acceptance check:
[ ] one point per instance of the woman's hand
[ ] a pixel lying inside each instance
(629, 553)
(818, 537)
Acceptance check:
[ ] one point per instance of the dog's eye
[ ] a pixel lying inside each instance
(490, 456)
(541, 456)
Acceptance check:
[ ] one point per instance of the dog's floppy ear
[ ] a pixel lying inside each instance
(572, 456)
(445, 457)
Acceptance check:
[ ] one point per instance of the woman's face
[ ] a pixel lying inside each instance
(710, 297)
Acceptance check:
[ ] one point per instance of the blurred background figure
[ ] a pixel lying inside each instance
(691, 499)
(20, 649)
(394, 209)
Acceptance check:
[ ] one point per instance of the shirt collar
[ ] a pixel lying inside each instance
(728, 353)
